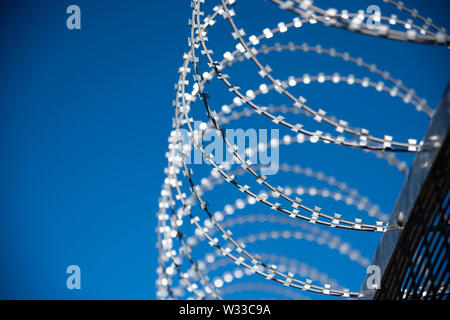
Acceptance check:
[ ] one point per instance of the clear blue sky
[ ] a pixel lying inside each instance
(84, 121)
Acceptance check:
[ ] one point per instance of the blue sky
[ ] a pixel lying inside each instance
(85, 117)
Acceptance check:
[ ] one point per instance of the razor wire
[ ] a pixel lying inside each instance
(173, 244)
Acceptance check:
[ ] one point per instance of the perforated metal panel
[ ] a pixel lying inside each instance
(413, 253)
(419, 266)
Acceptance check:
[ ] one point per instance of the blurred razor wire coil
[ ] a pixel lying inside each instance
(187, 220)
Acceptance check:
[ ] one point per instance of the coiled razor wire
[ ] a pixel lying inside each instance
(175, 279)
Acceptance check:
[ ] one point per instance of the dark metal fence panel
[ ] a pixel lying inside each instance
(413, 254)
(419, 266)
